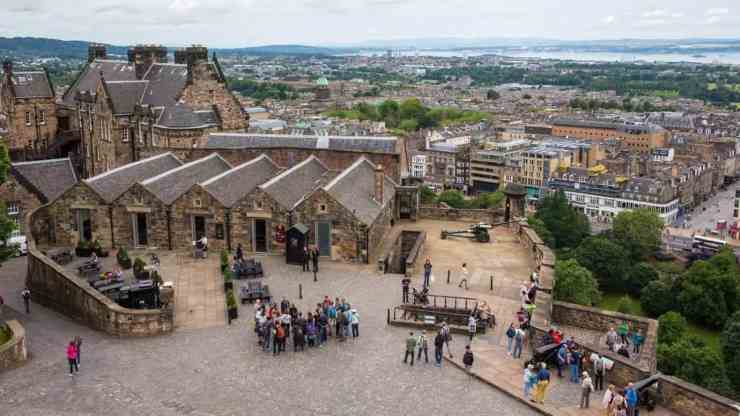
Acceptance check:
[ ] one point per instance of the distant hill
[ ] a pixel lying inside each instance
(45, 47)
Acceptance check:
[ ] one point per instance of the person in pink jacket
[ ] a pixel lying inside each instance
(72, 358)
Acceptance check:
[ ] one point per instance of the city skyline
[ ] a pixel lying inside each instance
(237, 23)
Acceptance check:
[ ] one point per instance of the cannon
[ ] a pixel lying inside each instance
(477, 232)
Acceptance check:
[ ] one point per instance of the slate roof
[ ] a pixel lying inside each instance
(48, 179)
(291, 186)
(125, 94)
(354, 189)
(182, 116)
(111, 184)
(166, 82)
(345, 143)
(232, 185)
(90, 76)
(172, 184)
(31, 84)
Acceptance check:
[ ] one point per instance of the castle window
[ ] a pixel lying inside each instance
(42, 116)
(322, 208)
(124, 135)
(197, 203)
(28, 118)
(220, 231)
(258, 205)
(13, 208)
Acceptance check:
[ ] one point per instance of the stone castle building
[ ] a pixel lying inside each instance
(161, 202)
(27, 104)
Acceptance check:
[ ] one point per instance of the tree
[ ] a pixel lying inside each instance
(388, 111)
(412, 109)
(730, 344)
(539, 227)
(624, 305)
(691, 360)
(726, 264)
(408, 125)
(427, 195)
(671, 327)
(6, 224)
(492, 95)
(607, 261)
(702, 295)
(453, 198)
(488, 200)
(574, 283)
(639, 276)
(639, 232)
(567, 226)
(658, 297)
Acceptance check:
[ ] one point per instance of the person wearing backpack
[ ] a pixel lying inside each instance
(575, 362)
(468, 358)
(278, 334)
(586, 388)
(510, 337)
(518, 343)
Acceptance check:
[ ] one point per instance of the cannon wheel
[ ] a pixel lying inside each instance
(443, 235)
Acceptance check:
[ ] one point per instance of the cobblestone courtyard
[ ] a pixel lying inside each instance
(219, 370)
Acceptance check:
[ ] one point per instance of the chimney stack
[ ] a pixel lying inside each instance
(143, 56)
(379, 183)
(96, 51)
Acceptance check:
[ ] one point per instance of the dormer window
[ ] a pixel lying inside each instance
(322, 209)
(197, 202)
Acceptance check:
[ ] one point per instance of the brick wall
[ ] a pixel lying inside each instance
(22, 135)
(57, 289)
(14, 352)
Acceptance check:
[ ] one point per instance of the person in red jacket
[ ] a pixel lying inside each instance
(72, 358)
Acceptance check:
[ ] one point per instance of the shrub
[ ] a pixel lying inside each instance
(574, 283)
(156, 278)
(123, 259)
(695, 363)
(230, 300)
(624, 305)
(658, 297)
(672, 327)
(730, 343)
(139, 265)
(224, 260)
(228, 275)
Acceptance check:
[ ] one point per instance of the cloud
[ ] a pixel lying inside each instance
(608, 19)
(655, 13)
(181, 6)
(652, 22)
(30, 7)
(712, 19)
(115, 9)
(719, 11)
(678, 15)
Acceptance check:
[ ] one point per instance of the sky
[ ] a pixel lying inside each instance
(236, 23)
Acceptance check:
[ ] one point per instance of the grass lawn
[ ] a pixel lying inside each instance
(610, 301)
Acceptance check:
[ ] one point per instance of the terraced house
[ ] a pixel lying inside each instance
(161, 202)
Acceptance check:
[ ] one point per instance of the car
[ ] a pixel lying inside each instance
(19, 241)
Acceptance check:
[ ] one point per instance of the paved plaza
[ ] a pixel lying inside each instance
(207, 367)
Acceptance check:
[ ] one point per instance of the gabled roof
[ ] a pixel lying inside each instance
(354, 189)
(31, 84)
(48, 179)
(170, 185)
(182, 116)
(232, 185)
(166, 82)
(290, 187)
(125, 94)
(111, 184)
(87, 80)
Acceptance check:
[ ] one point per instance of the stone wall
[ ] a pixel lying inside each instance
(206, 90)
(13, 191)
(432, 212)
(63, 213)
(57, 289)
(288, 156)
(35, 134)
(14, 352)
(687, 399)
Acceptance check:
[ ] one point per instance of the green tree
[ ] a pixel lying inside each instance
(658, 297)
(607, 261)
(539, 227)
(639, 276)
(726, 264)
(567, 226)
(389, 112)
(6, 224)
(408, 125)
(488, 200)
(427, 195)
(702, 295)
(694, 362)
(624, 305)
(639, 232)
(671, 327)
(730, 344)
(574, 283)
(454, 199)
(412, 109)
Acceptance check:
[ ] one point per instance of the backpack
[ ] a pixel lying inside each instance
(280, 332)
(519, 335)
(510, 332)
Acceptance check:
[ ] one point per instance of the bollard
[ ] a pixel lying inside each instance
(300, 291)
(491, 282)
(388, 319)
(448, 277)
(314, 276)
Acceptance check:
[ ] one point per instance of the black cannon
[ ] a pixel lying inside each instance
(547, 354)
(477, 232)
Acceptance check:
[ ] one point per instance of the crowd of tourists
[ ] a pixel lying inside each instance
(277, 324)
(624, 339)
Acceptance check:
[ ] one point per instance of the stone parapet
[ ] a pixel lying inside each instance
(691, 400)
(14, 352)
(433, 212)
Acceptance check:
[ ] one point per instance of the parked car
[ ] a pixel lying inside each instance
(20, 243)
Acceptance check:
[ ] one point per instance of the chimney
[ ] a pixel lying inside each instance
(379, 183)
(96, 51)
(191, 56)
(143, 56)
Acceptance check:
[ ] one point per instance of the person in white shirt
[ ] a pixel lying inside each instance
(465, 276)
(586, 388)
